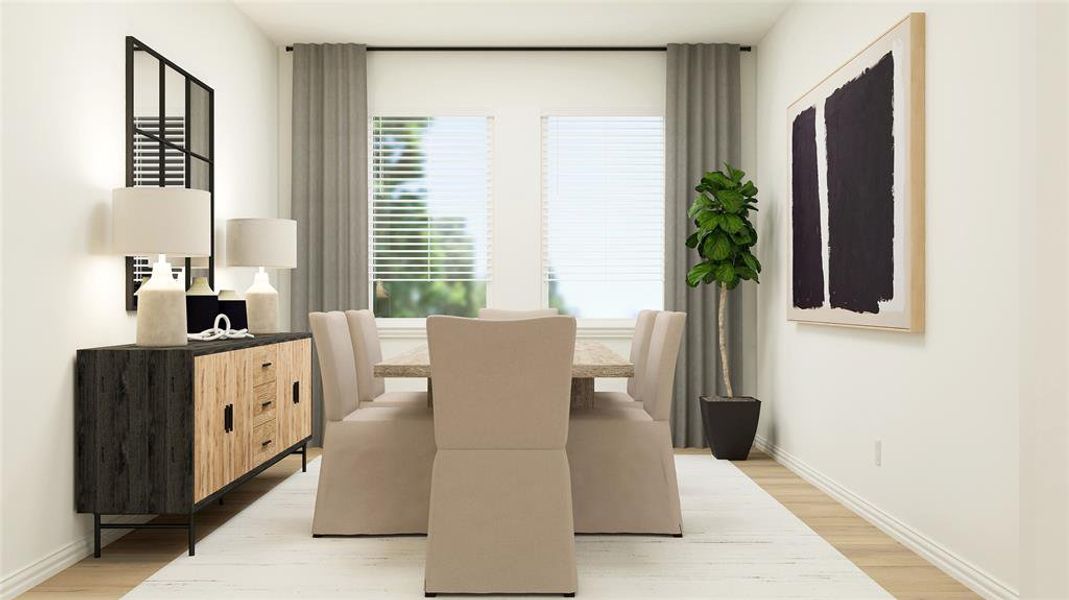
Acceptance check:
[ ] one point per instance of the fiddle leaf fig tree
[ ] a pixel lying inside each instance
(724, 240)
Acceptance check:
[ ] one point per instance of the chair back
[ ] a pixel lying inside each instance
(367, 350)
(336, 365)
(501, 384)
(498, 314)
(660, 372)
(640, 349)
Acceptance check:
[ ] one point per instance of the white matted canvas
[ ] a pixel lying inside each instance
(856, 184)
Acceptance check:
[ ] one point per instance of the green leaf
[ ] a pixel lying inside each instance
(736, 175)
(751, 261)
(692, 239)
(701, 202)
(698, 272)
(745, 272)
(717, 246)
(731, 200)
(720, 180)
(710, 220)
(725, 273)
(748, 189)
(743, 237)
(731, 223)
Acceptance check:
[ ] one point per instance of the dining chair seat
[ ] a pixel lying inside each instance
(399, 399)
(611, 412)
(617, 399)
(394, 412)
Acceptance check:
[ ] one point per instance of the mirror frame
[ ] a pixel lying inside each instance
(133, 45)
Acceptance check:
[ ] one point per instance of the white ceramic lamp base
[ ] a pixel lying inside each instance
(161, 309)
(261, 303)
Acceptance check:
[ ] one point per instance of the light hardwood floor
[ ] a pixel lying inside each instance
(133, 558)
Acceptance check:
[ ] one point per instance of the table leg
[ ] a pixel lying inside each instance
(430, 394)
(583, 392)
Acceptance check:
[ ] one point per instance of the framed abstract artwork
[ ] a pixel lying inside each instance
(856, 185)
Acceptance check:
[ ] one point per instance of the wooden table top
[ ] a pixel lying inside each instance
(592, 359)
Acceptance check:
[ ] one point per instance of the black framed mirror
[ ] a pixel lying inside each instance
(170, 141)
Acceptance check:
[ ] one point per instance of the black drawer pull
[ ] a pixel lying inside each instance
(266, 443)
(266, 404)
(296, 392)
(228, 418)
(265, 365)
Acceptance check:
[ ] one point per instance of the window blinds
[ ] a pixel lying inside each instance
(430, 187)
(603, 199)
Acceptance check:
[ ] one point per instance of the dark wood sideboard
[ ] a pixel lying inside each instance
(170, 430)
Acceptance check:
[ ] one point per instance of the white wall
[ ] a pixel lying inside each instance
(1044, 342)
(945, 402)
(63, 114)
(517, 89)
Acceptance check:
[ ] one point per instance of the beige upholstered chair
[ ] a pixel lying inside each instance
(375, 475)
(640, 349)
(367, 350)
(501, 512)
(499, 314)
(623, 469)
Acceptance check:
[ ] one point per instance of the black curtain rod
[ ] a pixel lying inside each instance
(520, 48)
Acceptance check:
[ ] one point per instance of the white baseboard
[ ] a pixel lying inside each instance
(955, 566)
(34, 574)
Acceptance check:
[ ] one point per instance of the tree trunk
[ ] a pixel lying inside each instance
(721, 318)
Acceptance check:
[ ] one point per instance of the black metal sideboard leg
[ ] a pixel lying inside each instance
(192, 535)
(96, 535)
(304, 458)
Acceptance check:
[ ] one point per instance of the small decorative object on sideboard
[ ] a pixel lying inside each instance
(724, 239)
(163, 221)
(202, 306)
(232, 305)
(220, 330)
(262, 243)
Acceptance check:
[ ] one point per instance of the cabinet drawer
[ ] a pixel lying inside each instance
(264, 441)
(265, 403)
(264, 364)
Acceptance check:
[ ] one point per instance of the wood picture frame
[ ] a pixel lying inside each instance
(856, 183)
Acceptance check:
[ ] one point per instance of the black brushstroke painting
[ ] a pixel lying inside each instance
(860, 152)
(808, 264)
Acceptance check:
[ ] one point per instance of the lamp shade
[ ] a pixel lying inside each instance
(161, 220)
(261, 243)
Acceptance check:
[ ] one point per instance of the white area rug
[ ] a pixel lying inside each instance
(738, 543)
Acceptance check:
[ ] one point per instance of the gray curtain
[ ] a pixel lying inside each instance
(329, 198)
(702, 131)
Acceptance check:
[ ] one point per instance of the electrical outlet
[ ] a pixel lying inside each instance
(878, 453)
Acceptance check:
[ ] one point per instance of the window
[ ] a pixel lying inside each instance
(603, 214)
(430, 215)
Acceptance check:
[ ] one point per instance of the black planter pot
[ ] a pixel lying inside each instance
(730, 425)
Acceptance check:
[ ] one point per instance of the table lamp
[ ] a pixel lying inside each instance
(262, 243)
(162, 221)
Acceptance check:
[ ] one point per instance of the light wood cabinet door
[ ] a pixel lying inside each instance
(303, 366)
(210, 427)
(222, 409)
(236, 379)
(294, 392)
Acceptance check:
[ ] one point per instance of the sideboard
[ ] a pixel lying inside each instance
(170, 430)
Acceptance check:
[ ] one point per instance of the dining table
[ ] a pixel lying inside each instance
(590, 361)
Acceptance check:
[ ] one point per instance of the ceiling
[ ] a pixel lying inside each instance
(513, 22)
